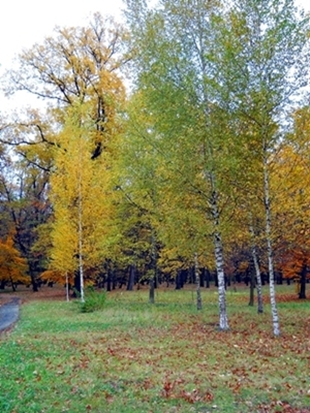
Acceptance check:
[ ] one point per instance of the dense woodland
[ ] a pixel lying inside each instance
(171, 149)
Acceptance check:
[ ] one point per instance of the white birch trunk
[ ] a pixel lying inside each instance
(197, 280)
(260, 306)
(218, 250)
(274, 311)
(218, 246)
(67, 288)
(221, 281)
(80, 232)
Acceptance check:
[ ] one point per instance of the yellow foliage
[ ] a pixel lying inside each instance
(290, 183)
(57, 276)
(82, 196)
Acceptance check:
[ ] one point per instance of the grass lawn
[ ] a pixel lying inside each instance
(133, 357)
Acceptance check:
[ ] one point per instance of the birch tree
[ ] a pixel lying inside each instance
(82, 199)
(266, 49)
(175, 77)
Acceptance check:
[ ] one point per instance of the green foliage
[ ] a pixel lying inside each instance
(94, 301)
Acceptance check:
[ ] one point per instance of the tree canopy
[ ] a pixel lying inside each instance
(194, 171)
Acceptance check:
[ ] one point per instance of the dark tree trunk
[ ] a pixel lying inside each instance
(76, 285)
(13, 285)
(153, 278)
(201, 278)
(279, 278)
(198, 283)
(109, 280)
(207, 275)
(303, 281)
(152, 291)
(131, 278)
(178, 281)
(34, 283)
(114, 280)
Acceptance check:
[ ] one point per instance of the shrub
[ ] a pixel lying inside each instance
(94, 301)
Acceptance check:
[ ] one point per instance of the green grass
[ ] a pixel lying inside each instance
(163, 358)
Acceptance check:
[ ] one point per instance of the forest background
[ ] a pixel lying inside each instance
(197, 172)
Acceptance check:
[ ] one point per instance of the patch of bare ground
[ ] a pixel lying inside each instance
(5, 299)
(56, 292)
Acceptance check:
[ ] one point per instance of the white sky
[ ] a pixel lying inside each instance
(25, 22)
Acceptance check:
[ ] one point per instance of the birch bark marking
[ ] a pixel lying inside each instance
(221, 281)
(274, 311)
(197, 280)
(80, 228)
(260, 308)
(67, 287)
(218, 250)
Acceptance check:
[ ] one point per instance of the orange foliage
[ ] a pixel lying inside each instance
(55, 276)
(12, 266)
(293, 263)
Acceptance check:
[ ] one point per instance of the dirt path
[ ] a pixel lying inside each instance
(9, 313)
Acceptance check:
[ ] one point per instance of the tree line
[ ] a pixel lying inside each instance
(173, 147)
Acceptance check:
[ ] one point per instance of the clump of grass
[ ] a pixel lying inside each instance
(94, 301)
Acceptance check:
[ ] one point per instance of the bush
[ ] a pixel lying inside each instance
(94, 301)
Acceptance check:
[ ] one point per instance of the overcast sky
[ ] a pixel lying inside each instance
(25, 22)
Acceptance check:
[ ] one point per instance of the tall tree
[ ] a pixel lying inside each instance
(77, 67)
(82, 198)
(265, 49)
(176, 79)
(138, 180)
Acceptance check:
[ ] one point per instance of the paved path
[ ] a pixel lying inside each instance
(9, 313)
